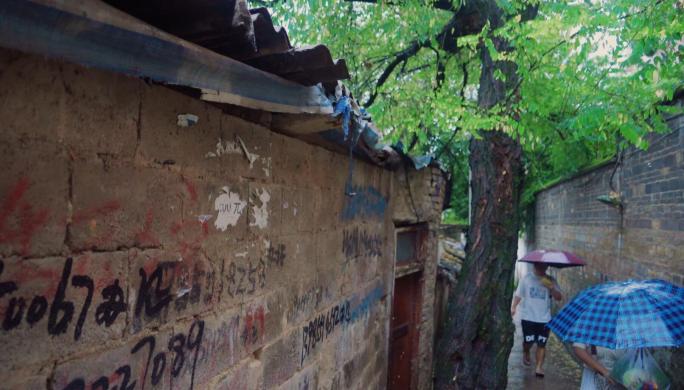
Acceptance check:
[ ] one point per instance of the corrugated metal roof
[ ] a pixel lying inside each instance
(230, 28)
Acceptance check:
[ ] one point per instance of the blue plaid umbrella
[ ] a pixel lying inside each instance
(617, 315)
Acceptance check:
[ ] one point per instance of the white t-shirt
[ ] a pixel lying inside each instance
(536, 299)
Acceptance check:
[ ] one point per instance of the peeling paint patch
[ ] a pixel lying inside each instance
(241, 254)
(224, 147)
(260, 209)
(229, 207)
(187, 120)
(251, 157)
(266, 165)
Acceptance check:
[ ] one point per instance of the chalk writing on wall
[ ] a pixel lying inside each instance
(366, 202)
(357, 242)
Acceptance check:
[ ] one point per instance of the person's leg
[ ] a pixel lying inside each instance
(528, 340)
(540, 355)
(542, 335)
(526, 353)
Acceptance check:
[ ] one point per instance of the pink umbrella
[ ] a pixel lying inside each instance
(553, 258)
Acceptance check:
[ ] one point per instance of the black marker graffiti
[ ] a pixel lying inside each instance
(322, 326)
(356, 243)
(155, 363)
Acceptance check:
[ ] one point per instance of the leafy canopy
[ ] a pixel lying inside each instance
(592, 76)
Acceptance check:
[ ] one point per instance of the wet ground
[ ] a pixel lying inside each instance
(561, 371)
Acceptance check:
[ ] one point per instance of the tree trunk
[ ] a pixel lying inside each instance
(474, 348)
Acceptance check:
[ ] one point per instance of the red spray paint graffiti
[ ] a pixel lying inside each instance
(28, 221)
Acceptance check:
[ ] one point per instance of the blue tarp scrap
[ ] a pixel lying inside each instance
(343, 107)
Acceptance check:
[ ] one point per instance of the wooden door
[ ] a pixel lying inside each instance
(403, 331)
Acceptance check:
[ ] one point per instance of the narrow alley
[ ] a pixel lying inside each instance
(561, 371)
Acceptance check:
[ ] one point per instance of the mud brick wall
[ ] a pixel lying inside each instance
(136, 252)
(647, 241)
(418, 197)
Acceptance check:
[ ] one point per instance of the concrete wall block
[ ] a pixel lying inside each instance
(261, 320)
(164, 141)
(290, 261)
(167, 287)
(248, 374)
(294, 162)
(66, 305)
(244, 149)
(144, 361)
(32, 98)
(321, 167)
(282, 359)
(110, 213)
(292, 209)
(220, 347)
(307, 378)
(34, 192)
(330, 261)
(244, 272)
(307, 211)
(96, 99)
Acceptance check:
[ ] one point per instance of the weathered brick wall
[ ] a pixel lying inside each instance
(139, 252)
(418, 197)
(647, 241)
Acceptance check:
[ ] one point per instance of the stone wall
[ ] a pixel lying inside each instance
(140, 251)
(418, 197)
(645, 241)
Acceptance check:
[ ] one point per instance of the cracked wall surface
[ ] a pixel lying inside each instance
(141, 250)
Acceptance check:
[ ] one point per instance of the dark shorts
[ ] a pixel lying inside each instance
(535, 332)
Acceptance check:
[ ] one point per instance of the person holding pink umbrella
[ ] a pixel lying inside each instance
(534, 294)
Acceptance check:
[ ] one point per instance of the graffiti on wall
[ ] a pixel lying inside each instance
(318, 329)
(159, 358)
(359, 242)
(19, 220)
(364, 203)
(247, 277)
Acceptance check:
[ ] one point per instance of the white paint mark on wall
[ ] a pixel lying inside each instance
(224, 147)
(187, 120)
(260, 211)
(241, 254)
(266, 165)
(229, 207)
(251, 157)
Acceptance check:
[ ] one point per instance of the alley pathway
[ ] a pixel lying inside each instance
(561, 372)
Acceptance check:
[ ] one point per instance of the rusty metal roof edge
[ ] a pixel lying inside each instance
(97, 35)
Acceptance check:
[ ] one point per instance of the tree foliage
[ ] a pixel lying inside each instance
(591, 75)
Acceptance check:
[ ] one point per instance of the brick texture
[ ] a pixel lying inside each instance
(137, 252)
(645, 241)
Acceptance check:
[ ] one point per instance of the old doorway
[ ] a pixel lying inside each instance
(406, 306)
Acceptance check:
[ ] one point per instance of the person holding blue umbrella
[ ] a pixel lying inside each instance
(622, 316)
